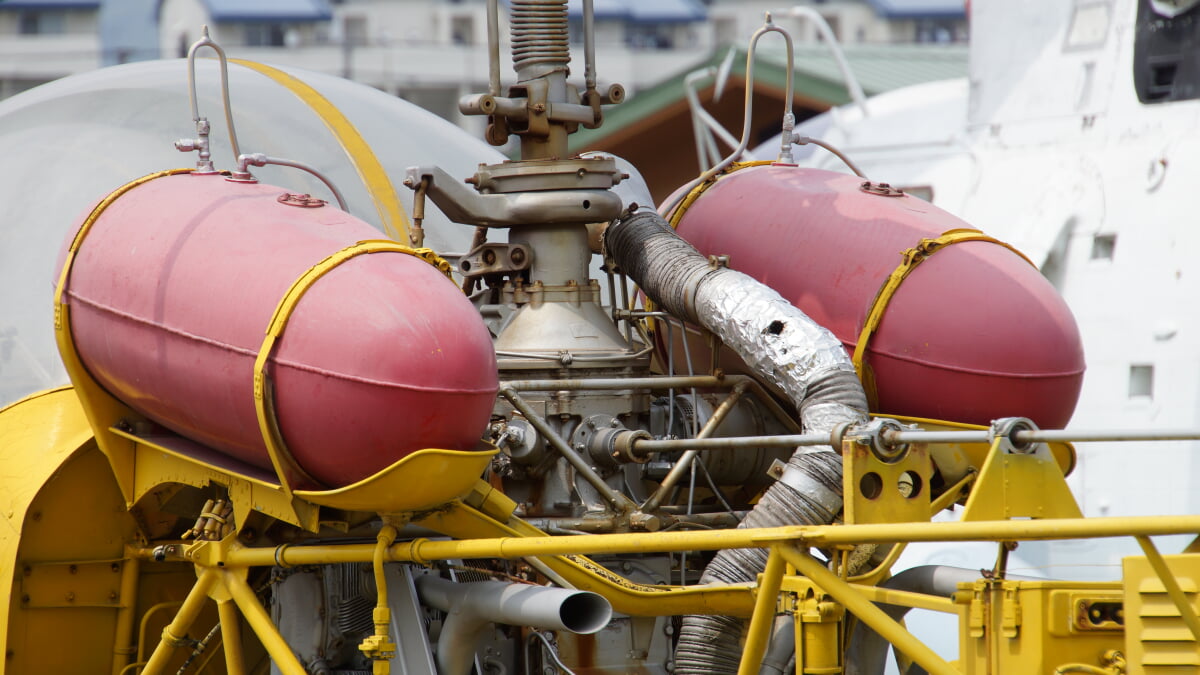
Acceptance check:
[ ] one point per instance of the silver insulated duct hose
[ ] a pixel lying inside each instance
(783, 346)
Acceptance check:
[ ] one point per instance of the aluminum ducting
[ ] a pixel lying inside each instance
(471, 606)
(783, 346)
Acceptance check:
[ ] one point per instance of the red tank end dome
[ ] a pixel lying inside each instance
(974, 333)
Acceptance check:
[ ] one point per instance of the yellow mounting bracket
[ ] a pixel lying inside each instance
(1019, 480)
(882, 484)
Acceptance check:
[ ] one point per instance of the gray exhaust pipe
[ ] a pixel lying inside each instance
(471, 606)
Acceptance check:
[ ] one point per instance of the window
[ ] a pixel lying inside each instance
(265, 35)
(42, 23)
(1141, 381)
(1166, 51)
(1089, 25)
(354, 27)
(462, 30)
(1103, 246)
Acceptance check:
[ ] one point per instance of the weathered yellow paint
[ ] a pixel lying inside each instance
(1032, 626)
(286, 468)
(38, 435)
(1018, 485)
(1158, 638)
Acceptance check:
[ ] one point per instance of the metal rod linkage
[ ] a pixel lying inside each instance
(1044, 435)
(614, 498)
(685, 461)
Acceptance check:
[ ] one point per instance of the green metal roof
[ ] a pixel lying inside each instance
(879, 68)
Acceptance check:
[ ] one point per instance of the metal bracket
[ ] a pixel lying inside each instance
(561, 207)
(1019, 480)
(884, 482)
(494, 259)
(805, 485)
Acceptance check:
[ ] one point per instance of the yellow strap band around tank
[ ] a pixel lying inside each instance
(86, 227)
(909, 261)
(281, 459)
(370, 170)
(695, 192)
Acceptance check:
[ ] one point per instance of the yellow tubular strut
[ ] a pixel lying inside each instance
(281, 459)
(910, 259)
(366, 164)
(86, 227)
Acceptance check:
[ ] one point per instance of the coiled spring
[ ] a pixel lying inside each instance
(539, 33)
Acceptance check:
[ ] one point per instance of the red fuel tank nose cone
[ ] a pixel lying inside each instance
(972, 334)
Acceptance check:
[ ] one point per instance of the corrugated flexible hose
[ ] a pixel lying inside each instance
(784, 347)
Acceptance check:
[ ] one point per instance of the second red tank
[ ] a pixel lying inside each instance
(973, 333)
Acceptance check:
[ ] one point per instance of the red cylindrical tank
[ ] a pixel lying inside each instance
(174, 286)
(974, 333)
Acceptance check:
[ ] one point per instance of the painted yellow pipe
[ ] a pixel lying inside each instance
(763, 618)
(231, 636)
(174, 634)
(422, 550)
(260, 622)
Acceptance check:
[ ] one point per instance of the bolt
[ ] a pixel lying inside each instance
(73, 569)
(112, 596)
(115, 567)
(70, 596)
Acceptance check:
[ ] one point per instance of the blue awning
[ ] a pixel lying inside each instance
(49, 4)
(269, 10)
(920, 9)
(642, 11)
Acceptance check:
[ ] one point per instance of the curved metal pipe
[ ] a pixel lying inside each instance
(852, 86)
(471, 606)
(867, 651)
(206, 41)
(259, 159)
(789, 119)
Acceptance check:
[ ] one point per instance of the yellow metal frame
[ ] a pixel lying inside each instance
(223, 564)
(487, 529)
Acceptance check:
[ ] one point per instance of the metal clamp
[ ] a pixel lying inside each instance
(806, 485)
(876, 435)
(1006, 429)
